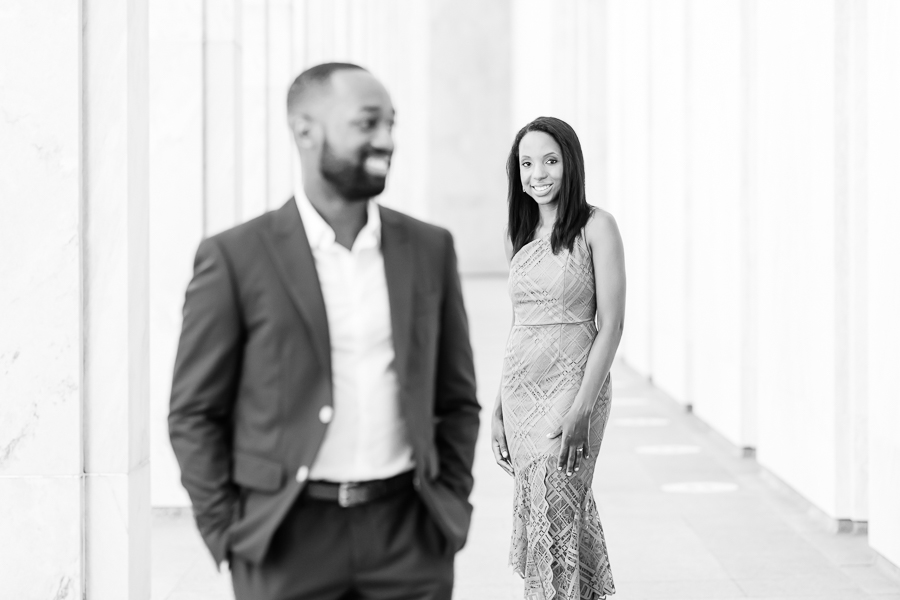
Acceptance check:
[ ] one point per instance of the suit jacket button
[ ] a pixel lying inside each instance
(302, 474)
(325, 414)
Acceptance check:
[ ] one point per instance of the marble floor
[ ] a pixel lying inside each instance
(685, 517)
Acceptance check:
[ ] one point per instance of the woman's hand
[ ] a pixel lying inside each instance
(498, 441)
(574, 442)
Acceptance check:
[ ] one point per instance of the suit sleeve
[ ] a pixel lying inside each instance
(456, 403)
(204, 387)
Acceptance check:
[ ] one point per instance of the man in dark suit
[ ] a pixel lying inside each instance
(323, 406)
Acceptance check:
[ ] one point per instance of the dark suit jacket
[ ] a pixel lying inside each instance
(254, 368)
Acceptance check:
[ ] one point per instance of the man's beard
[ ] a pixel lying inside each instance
(349, 177)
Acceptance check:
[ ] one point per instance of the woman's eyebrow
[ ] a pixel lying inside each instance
(545, 156)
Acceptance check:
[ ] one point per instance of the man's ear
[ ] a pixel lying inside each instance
(304, 128)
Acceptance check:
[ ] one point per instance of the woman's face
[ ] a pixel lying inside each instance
(540, 166)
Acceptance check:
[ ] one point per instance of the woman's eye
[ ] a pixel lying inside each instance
(526, 164)
(552, 161)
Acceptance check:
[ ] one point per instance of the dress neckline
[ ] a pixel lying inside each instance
(537, 239)
(540, 237)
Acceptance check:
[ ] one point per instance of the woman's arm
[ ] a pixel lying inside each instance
(608, 256)
(498, 436)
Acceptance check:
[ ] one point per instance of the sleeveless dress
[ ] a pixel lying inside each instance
(557, 544)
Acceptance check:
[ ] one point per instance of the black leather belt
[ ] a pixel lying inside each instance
(355, 493)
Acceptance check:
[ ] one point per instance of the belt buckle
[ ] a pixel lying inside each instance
(344, 498)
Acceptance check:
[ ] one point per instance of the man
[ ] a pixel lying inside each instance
(323, 406)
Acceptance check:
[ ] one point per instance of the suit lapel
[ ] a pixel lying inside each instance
(398, 271)
(289, 247)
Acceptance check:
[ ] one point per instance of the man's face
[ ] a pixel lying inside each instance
(357, 144)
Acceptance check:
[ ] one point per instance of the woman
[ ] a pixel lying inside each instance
(567, 284)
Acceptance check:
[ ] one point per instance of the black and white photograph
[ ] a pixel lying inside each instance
(449, 299)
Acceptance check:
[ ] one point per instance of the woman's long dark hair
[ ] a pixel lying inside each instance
(572, 210)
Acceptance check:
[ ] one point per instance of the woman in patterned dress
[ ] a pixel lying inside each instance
(567, 285)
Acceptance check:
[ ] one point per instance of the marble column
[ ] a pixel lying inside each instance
(280, 74)
(222, 115)
(852, 284)
(41, 386)
(254, 108)
(630, 84)
(749, 236)
(882, 123)
(668, 215)
(318, 30)
(714, 163)
(801, 346)
(413, 133)
(115, 293)
(592, 105)
(176, 209)
(300, 44)
(73, 258)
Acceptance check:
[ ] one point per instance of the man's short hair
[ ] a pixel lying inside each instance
(313, 80)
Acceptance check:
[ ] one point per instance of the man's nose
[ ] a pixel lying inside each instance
(383, 139)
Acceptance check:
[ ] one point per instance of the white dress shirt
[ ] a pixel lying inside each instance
(366, 436)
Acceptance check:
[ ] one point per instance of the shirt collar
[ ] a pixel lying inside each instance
(321, 235)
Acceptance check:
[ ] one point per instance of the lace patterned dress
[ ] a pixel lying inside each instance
(557, 540)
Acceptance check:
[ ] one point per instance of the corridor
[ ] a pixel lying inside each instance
(748, 150)
(685, 518)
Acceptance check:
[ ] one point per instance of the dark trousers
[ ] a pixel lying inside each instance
(388, 549)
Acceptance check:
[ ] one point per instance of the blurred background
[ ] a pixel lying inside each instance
(749, 150)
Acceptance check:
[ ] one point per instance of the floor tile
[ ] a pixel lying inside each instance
(815, 586)
(678, 590)
(872, 579)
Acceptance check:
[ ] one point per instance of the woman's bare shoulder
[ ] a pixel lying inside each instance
(601, 223)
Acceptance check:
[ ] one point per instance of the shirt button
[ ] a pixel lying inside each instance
(325, 414)
(302, 474)
(417, 483)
